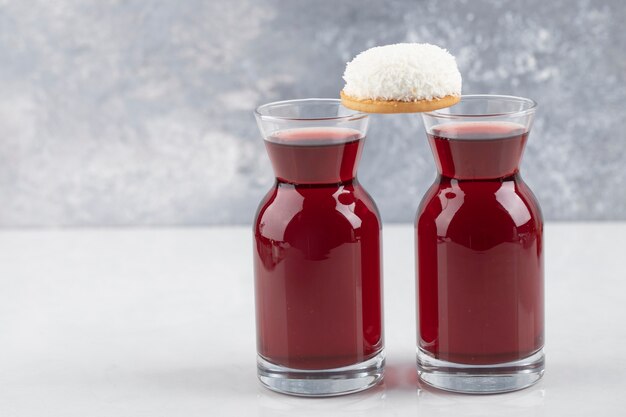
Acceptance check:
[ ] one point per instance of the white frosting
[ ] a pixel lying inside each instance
(402, 72)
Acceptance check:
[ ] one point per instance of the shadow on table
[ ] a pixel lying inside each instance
(435, 402)
(362, 403)
(400, 390)
(400, 379)
(401, 376)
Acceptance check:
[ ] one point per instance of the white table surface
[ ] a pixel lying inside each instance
(160, 322)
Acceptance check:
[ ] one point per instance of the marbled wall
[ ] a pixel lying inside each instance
(140, 112)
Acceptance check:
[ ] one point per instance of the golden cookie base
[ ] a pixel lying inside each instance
(393, 106)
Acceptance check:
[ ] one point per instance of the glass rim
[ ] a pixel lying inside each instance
(355, 115)
(532, 106)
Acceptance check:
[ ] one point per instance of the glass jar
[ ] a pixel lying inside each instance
(480, 252)
(317, 254)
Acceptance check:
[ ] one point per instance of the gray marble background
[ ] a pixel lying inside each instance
(140, 112)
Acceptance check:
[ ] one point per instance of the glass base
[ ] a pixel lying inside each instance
(321, 383)
(480, 379)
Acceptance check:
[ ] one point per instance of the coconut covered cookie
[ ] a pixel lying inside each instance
(402, 78)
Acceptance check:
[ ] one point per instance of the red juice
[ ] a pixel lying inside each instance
(479, 249)
(317, 254)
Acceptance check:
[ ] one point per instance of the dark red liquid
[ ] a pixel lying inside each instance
(479, 249)
(317, 255)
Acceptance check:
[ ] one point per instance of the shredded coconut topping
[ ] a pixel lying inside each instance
(402, 72)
